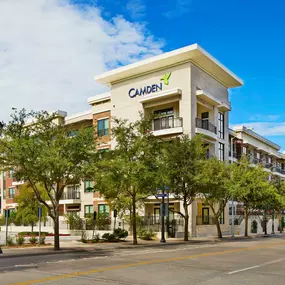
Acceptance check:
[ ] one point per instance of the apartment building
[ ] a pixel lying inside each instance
(187, 90)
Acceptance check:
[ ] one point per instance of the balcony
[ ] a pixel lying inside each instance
(278, 170)
(206, 128)
(167, 126)
(70, 198)
(207, 220)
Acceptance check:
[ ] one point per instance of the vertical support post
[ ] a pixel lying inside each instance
(162, 217)
(148, 222)
(40, 220)
(233, 220)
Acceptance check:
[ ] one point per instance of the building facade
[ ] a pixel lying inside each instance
(187, 89)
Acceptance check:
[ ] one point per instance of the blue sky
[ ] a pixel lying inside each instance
(55, 47)
(246, 36)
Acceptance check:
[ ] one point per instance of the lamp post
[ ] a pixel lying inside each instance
(273, 222)
(162, 217)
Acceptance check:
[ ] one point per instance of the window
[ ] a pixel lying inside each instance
(156, 215)
(88, 187)
(88, 211)
(164, 119)
(221, 152)
(221, 125)
(11, 172)
(103, 127)
(11, 192)
(103, 209)
(72, 133)
(4, 193)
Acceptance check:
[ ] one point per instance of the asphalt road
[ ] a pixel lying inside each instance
(240, 262)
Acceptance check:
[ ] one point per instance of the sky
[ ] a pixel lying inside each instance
(50, 50)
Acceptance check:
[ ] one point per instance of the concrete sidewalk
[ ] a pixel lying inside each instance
(75, 246)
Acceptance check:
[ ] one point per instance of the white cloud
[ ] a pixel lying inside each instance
(266, 128)
(136, 9)
(264, 118)
(50, 51)
(178, 8)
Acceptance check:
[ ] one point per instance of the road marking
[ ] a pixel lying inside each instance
(256, 266)
(81, 273)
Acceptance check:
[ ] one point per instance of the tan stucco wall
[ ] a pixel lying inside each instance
(125, 107)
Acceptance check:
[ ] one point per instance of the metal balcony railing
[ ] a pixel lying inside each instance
(70, 195)
(166, 123)
(205, 220)
(206, 125)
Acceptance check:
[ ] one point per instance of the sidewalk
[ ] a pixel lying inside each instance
(78, 247)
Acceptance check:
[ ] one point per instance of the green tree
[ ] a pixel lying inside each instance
(37, 147)
(249, 185)
(130, 169)
(183, 161)
(215, 179)
(28, 204)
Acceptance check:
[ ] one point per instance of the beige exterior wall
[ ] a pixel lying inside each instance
(125, 107)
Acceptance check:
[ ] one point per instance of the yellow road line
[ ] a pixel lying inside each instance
(80, 273)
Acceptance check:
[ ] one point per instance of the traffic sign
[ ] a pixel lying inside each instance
(161, 195)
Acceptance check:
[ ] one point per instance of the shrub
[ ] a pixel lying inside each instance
(10, 241)
(146, 235)
(33, 233)
(96, 238)
(109, 237)
(254, 226)
(20, 239)
(33, 239)
(120, 233)
(42, 239)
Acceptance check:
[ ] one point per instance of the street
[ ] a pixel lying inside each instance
(252, 261)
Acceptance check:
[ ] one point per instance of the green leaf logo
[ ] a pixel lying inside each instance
(166, 77)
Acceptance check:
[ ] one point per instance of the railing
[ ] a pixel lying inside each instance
(278, 169)
(70, 195)
(267, 165)
(206, 125)
(205, 220)
(166, 123)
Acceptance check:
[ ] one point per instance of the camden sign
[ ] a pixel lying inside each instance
(150, 88)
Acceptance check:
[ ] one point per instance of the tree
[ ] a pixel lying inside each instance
(28, 204)
(215, 179)
(37, 147)
(129, 170)
(183, 161)
(249, 185)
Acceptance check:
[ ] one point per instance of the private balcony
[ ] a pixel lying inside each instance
(70, 198)
(206, 128)
(167, 126)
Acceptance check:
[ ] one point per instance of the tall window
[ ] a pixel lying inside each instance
(11, 192)
(221, 152)
(88, 187)
(4, 193)
(103, 209)
(103, 127)
(221, 125)
(11, 172)
(88, 211)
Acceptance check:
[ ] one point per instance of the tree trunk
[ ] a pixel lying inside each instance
(32, 227)
(245, 223)
(134, 216)
(219, 231)
(56, 232)
(131, 220)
